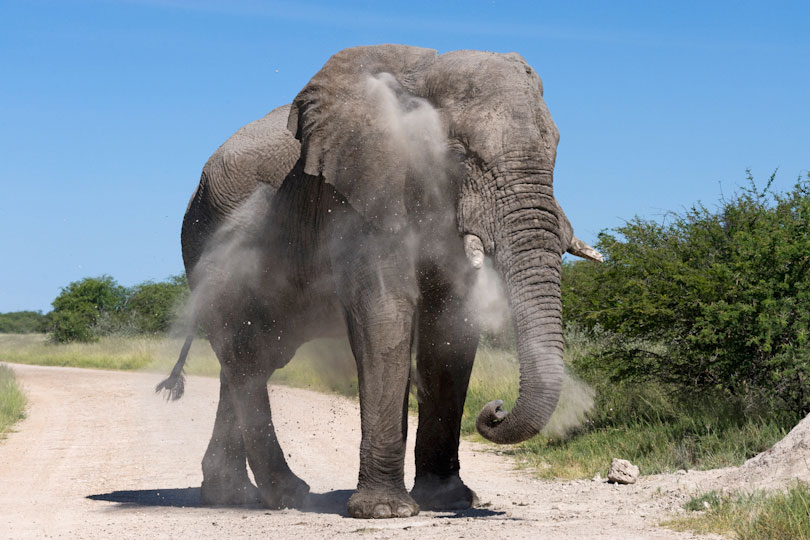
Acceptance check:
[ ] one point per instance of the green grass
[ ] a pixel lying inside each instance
(496, 374)
(12, 400)
(750, 516)
(655, 431)
(645, 423)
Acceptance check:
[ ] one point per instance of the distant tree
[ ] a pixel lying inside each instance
(708, 299)
(153, 306)
(23, 322)
(82, 304)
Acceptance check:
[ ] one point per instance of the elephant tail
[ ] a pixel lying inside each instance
(175, 384)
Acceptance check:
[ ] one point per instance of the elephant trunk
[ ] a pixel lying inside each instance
(529, 256)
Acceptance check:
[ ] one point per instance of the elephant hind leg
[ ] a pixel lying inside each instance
(225, 477)
(278, 486)
(247, 356)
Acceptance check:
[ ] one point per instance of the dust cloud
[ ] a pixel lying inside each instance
(488, 300)
(233, 255)
(576, 401)
(413, 127)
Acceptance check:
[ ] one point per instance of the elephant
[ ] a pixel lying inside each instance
(365, 208)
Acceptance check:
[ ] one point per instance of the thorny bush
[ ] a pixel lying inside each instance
(713, 299)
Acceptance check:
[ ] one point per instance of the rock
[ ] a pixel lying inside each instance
(597, 477)
(622, 472)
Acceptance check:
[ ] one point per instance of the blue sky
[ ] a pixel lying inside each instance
(108, 110)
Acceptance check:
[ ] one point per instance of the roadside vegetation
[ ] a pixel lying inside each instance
(750, 516)
(688, 348)
(324, 365)
(23, 322)
(12, 400)
(91, 308)
(658, 427)
(708, 301)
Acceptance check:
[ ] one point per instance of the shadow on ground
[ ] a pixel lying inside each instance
(332, 502)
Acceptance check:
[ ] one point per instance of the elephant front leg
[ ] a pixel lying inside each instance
(380, 335)
(225, 477)
(447, 341)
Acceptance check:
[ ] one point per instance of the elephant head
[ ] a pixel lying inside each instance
(398, 129)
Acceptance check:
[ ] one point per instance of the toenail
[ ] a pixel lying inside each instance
(382, 511)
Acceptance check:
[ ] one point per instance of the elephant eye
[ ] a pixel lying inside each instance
(456, 149)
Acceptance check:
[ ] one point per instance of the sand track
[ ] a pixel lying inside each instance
(100, 456)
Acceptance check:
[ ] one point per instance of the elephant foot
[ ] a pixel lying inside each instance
(379, 504)
(434, 493)
(288, 491)
(221, 492)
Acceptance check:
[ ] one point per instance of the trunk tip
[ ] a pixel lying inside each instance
(490, 416)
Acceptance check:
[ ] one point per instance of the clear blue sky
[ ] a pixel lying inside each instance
(108, 110)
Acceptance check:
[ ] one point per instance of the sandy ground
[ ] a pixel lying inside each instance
(101, 456)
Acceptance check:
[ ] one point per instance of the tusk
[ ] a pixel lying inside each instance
(581, 249)
(474, 250)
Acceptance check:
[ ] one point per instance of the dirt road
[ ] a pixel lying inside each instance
(101, 456)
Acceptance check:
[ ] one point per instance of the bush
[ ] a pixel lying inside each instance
(153, 306)
(81, 305)
(23, 322)
(94, 307)
(707, 299)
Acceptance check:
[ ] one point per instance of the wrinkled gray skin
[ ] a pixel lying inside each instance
(317, 219)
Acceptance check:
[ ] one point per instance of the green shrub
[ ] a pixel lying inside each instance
(708, 299)
(23, 322)
(81, 305)
(153, 306)
(94, 307)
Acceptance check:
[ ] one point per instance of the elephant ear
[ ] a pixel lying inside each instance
(363, 128)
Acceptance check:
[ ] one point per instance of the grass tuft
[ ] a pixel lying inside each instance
(750, 516)
(12, 400)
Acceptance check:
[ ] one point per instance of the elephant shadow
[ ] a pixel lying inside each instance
(331, 502)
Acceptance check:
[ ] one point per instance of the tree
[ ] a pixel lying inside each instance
(81, 305)
(153, 306)
(708, 299)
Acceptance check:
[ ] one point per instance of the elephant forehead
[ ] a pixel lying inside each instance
(467, 76)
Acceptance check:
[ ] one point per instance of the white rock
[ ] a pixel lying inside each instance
(622, 472)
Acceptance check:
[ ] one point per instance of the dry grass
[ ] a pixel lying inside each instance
(325, 365)
(12, 400)
(126, 353)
